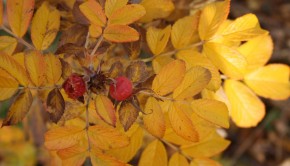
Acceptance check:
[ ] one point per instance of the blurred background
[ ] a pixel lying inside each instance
(266, 145)
(269, 143)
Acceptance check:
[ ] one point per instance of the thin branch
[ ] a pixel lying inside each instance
(41, 87)
(156, 96)
(173, 52)
(87, 120)
(95, 49)
(18, 38)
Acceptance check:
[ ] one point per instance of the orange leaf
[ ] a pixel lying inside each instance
(8, 44)
(45, 25)
(181, 122)
(154, 120)
(99, 159)
(169, 77)
(13, 68)
(213, 111)
(157, 39)
(63, 137)
(212, 146)
(19, 108)
(94, 12)
(53, 69)
(8, 85)
(106, 137)
(154, 155)
(127, 14)
(105, 109)
(75, 155)
(95, 30)
(120, 33)
(35, 66)
(19, 15)
(112, 5)
(178, 160)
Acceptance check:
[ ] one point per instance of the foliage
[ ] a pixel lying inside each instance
(128, 76)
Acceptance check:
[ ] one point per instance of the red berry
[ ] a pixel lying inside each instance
(74, 86)
(122, 89)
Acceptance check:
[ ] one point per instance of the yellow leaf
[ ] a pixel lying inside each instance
(159, 62)
(257, 51)
(204, 162)
(154, 155)
(169, 77)
(178, 160)
(183, 30)
(194, 81)
(95, 30)
(112, 5)
(247, 110)
(19, 15)
(243, 28)
(8, 85)
(19, 108)
(157, 39)
(105, 109)
(35, 66)
(1, 12)
(120, 33)
(181, 122)
(172, 137)
(212, 17)
(7, 44)
(127, 14)
(219, 95)
(53, 69)
(100, 159)
(128, 114)
(75, 155)
(156, 9)
(8, 64)
(125, 154)
(193, 58)
(154, 120)
(213, 111)
(228, 60)
(19, 57)
(271, 81)
(94, 12)
(203, 127)
(212, 146)
(44, 27)
(63, 137)
(106, 137)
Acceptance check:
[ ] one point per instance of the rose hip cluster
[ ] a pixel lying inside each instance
(75, 87)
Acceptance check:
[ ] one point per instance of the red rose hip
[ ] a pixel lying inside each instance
(74, 86)
(122, 89)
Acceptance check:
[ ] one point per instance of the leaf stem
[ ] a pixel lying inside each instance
(173, 52)
(41, 88)
(95, 49)
(87, 120)
(156, 96)
(18, 38)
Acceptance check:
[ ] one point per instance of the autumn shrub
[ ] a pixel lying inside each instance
(112, 82)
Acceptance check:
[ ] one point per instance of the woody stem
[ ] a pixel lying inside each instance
(87, 120)
(18, 38)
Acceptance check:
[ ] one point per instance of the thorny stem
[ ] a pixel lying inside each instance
(87, 120)
(173, 52)
(95, 49)
(18, 38)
